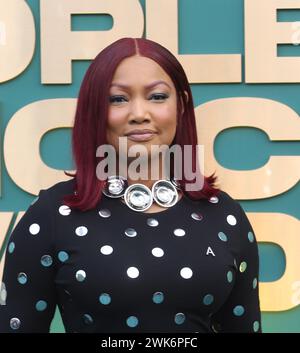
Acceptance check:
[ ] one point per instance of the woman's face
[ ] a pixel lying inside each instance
(142, 96)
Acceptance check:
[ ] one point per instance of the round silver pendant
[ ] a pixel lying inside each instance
(138, 197)
(115, 186)
(164, 193)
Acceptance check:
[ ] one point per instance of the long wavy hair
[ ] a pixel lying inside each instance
(90, 123)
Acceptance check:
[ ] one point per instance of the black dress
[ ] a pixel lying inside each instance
(190, 268)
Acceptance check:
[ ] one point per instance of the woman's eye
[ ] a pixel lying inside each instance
(120, 99)
(116, 99)
(159, 96)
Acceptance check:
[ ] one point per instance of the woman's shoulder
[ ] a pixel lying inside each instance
(225, 200)
(62, 186)
(219, 204)
(231, 206)
(58, 190)
(226, 197)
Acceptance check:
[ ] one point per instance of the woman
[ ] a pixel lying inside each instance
(120, 254)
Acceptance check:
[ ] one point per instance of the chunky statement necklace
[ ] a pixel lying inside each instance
(139, 197)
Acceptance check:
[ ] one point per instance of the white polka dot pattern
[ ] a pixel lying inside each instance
(64, 210)
(120, 271)
(186, 272)
(106, 250)
(157, 252)
(231, 220)
(34, 229)
(81, 231)
(133, 272)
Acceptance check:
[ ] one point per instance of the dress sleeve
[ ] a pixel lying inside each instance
(28, 287)
(241, 311)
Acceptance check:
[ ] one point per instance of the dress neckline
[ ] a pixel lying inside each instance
(151, 214)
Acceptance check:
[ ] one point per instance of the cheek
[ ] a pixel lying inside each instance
(115, 119)
(167, 114)
(114, 125)
(167, 120)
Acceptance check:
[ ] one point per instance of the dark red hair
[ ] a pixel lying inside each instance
(89, 130)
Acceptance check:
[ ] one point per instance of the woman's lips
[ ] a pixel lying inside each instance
(141, 137)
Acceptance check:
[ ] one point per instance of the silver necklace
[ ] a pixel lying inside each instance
(139, 197)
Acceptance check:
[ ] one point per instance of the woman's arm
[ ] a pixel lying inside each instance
(241, 311)
(29, 272)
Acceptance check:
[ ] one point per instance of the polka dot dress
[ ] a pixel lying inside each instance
(189, 268)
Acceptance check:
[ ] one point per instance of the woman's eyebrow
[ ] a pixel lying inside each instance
(151, 85)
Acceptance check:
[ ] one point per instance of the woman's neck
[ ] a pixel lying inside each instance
(146, 178)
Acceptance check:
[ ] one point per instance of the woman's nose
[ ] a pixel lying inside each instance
(139, 111)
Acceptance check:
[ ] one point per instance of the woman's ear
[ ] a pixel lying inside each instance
(186, 98)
